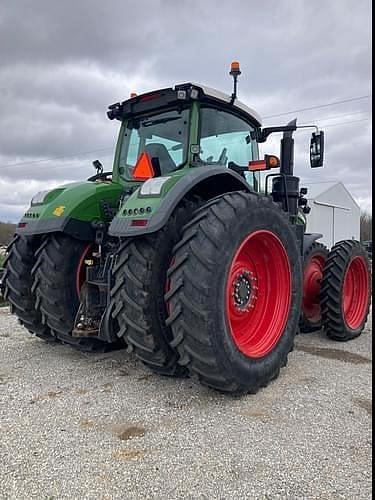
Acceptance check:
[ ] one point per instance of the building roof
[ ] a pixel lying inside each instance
(316, 189)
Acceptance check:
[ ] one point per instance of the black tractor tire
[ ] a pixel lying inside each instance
(55, 274)
(17, 285)
(140, 275)
(314, 260)
(201, 294)
(346, 291)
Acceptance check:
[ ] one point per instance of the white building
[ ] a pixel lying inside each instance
(334, 212)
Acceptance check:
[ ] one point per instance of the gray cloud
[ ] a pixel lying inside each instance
(62, 63)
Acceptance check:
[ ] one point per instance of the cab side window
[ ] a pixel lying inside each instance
(225, 138)
(222, 131)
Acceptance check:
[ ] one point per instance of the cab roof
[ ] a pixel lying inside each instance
(225, 99)
(184, 92)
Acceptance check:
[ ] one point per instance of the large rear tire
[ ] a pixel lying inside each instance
(140, 276)
(346, 291)
(313, 265)
(17, 285)
(58, 275)
(235, 293)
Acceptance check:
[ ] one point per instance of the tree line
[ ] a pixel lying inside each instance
(6, 232)
(7, 229)
(366, 226)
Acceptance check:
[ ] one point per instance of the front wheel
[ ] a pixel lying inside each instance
(235, 293)
(346, 291)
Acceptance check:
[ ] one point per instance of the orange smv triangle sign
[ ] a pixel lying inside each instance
(143, 169)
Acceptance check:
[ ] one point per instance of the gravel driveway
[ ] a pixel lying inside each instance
(102, 426)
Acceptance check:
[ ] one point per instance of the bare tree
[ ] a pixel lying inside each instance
(366, 226)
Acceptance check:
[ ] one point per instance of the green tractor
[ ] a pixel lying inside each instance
(192, 252)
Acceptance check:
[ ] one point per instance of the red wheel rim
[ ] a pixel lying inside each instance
(356, 293)
(259, 291)
(81, 269)
(312, 283)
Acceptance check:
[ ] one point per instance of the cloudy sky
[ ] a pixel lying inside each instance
(63, 63)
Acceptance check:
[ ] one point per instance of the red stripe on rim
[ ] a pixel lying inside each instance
(258, 294)
(356, 293)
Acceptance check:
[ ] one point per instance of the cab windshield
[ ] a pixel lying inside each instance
(163, 136)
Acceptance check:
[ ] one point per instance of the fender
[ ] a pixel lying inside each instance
(208, 179)
(71, 209)
(309, 239)
(81, 230)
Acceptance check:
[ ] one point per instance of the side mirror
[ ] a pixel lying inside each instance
(98, 166)
(317, 149)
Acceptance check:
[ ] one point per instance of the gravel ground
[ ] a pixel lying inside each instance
(102, 426)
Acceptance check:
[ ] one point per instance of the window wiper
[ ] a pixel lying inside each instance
(149, 123)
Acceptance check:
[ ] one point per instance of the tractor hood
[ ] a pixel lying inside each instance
(71, 208)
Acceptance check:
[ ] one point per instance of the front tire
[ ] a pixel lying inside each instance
(346, 291)
(235, 293)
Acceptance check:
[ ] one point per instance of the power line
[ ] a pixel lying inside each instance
(341, 115)
(335, 117)
(347, 123)
(84, 153)
(335, 103)
(29, 170)
(337, 124)
(107, 156)
(73, 155)
(64, 166)
(301, 131)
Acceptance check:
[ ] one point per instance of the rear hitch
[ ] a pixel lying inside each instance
(94, 317)
(93, 303)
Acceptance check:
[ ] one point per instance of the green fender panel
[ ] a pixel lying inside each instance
(71, 209)
(145, 213)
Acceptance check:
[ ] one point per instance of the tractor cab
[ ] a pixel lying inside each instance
(190, 125)
(187, 126)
